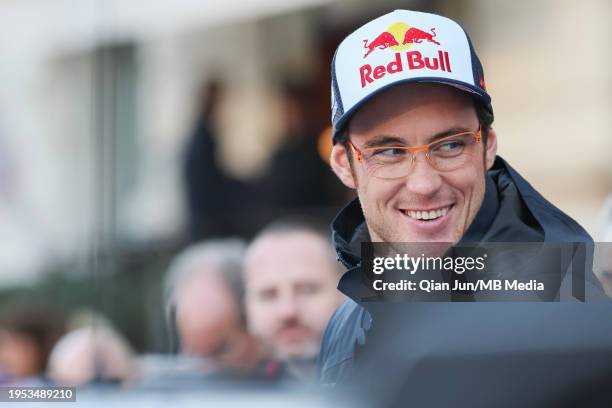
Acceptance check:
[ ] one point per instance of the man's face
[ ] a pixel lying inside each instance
(207, 315)
(414, 114)
(291, 281)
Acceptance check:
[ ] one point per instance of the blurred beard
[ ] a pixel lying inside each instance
(301, 345)
(304, 369)
(307, 351)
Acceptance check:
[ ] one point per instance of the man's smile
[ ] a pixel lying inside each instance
(428, 221)
(427, 214)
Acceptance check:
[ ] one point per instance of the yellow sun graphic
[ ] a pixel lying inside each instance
(398, 30)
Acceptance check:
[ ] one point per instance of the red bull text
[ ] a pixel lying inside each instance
(413, 60)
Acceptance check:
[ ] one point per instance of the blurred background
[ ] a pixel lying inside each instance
(130, 129)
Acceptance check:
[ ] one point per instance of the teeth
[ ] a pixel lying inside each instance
(427, 215)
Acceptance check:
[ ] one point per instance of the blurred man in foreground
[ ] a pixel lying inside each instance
(205, 307)
(291, 277)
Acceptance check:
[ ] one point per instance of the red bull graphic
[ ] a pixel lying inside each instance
(414, 35)
(384, 40)
(399, 36)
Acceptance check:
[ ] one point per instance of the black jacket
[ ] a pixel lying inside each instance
(512, 211)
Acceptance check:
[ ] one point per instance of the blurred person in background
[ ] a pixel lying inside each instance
(298, 178)
(214, 198)
(26, 339)
(205, 308)
(93, 352)
(290, 279)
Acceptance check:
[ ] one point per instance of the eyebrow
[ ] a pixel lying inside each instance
(387, 140)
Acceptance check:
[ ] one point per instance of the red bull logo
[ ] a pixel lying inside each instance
(414, 35)
(399, 37)
(384, 40)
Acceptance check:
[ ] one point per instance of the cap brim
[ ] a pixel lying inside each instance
(476, 92)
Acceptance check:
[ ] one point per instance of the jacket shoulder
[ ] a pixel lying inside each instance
(344, 331)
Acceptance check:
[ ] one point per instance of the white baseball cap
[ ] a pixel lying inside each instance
(399, 47)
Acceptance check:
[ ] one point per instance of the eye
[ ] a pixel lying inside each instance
(391, 152)
(268, 294)
(307, 288)
(449, 147)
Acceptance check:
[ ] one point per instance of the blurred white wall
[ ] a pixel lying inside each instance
(547, 66)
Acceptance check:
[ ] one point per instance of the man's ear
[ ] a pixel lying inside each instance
(340, 164)
(491, 148)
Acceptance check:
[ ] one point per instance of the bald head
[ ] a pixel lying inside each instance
(207, 313)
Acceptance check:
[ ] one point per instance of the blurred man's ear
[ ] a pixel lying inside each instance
(340, 164)
(491, 148)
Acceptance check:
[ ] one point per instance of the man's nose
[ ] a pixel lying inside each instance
(422, 179)
(287, 306)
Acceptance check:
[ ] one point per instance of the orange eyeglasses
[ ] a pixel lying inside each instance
(446, 154)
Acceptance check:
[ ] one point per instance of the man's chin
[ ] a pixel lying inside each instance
(417, 248)
(303, 351)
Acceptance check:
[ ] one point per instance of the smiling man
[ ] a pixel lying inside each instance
(412, 135)
(404, 197)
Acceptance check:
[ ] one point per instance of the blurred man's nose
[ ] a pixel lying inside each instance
(287, 306)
